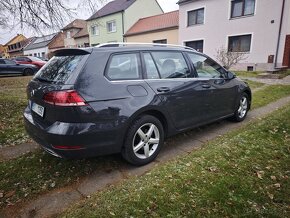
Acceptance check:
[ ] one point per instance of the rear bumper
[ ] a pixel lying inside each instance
(95, 139)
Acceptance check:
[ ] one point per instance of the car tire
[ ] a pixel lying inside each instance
(144, 140)
(242, 109)
(27, 72)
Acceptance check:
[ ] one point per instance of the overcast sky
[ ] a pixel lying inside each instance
(6, 35)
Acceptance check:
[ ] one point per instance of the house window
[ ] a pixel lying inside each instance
(161, 41)
(242, 8)
(68, 34)
(197, 45)
(95, 30)
(111, 26)
(195, 17)
(240, 43)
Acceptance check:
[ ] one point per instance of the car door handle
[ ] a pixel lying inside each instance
(206, 86)
(163, 89)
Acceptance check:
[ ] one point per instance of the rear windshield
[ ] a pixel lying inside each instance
(59, 69)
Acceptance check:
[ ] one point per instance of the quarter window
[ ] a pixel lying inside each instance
(171, 65)
(195, 17)
(124, 67)
(240, 43)
(111, 26)
(242, 8)
(205, 67)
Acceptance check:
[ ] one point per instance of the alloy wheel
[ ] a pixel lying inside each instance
(243, 108)
(146, 141)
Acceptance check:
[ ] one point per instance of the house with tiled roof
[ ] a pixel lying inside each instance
(162, 28)
(76, 34)
(56, 43)
(110, 23)
(39, 46)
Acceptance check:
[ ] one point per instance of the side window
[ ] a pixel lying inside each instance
(2, 62)
(151, 70)
(124, 67)
(9, 62)
(171, 65)
(205, 67)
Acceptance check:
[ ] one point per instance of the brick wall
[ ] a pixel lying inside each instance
(286, 58)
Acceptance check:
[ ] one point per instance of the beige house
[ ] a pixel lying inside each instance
(162, 28)
(110, 23)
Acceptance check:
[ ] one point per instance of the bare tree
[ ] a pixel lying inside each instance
(229, 59)
(39, 15)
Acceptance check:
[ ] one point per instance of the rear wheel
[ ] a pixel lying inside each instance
(28, 72)
(243, 108)
(144, 140)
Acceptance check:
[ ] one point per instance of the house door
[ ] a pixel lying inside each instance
(286, 59)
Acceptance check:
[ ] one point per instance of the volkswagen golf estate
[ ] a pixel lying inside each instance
(127, 99)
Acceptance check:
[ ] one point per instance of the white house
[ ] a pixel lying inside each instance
(39, 47)
(260, 28)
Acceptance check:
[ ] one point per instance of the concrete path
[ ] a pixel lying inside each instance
(8, 153)
(57, 201)
(284, 81)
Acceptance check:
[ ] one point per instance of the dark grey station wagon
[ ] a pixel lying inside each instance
(127, 99)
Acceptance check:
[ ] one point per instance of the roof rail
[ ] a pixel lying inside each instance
(119, 44)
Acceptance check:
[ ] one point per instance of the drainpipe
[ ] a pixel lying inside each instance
(123, 27)
(279, 34)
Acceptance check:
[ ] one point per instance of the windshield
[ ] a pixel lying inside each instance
(35, 58)
(59, 69)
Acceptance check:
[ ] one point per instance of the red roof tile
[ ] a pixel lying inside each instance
(155, 23)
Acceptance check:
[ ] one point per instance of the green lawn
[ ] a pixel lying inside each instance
(244, 173)
(12, 103)
(247, 73)
(269, 94)
(254, 85)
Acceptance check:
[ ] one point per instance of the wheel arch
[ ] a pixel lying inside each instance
(155, 113)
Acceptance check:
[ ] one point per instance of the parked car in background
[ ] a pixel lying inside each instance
(104, 100)
(10, 67)
(30, 60)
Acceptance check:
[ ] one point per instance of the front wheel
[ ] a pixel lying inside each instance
(243, 108)
(144, 140)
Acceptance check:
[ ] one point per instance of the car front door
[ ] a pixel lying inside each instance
(221, 92)
(3, 69)
(13, 68)
(172, 78)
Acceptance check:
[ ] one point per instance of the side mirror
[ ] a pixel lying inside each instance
(231, 75)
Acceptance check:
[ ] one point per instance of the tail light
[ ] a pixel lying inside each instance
(64, 98)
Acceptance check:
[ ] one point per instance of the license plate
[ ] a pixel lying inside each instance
(38, 109)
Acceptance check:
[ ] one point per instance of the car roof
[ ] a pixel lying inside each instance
(115, 48)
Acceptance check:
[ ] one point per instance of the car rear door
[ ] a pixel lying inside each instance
(221, 92)
(172, 78)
